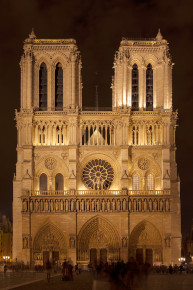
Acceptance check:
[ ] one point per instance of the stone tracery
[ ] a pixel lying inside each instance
(98, 233)
(98, 174)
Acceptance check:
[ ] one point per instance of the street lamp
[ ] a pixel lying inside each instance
(182, 259)
(6, 258)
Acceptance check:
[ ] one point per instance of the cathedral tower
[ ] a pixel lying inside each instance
(95, 186)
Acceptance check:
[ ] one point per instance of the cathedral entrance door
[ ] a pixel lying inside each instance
(149, 256)
(103, 256)
(45, 257)
(55, 257)
(139, 255)
(93, 256)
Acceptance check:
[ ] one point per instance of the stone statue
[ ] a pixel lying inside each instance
(61, 205)
(124, 205)
(118, 205)
(145, 205)
(88, 205)
(108, 205)
(150, 205)
(25, 243)
(93, 205)
(56, 205)
(46, 205)
(167, 205)
(113, 204)
(25, 205)
(98, 205)
(103, 205)
(82, 205)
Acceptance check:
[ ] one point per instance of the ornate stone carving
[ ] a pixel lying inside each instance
(36, 156)
(50, 163)
(25, 243)
(72, 242)
(143, 163)
(155, 155)
(116, 154)
(98, 174)
(124, 242)
(64, 155)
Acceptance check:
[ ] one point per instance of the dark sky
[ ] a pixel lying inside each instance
(98, 26)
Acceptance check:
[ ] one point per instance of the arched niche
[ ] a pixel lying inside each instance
(48, 241)
(98, 235)
(145, 238)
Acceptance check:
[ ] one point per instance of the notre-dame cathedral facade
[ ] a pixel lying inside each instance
(96, 186)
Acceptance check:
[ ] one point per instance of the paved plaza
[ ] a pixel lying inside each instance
(87, 280)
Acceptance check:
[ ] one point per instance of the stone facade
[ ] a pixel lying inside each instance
(96, 185)
(6, 239)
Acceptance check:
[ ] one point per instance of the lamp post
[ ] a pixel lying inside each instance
(6, 258)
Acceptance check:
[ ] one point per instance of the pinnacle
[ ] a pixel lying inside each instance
(159, 36)
(32, 34)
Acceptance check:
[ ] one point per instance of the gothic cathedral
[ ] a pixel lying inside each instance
(96, 186)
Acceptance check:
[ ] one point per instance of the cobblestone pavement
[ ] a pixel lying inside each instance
(88, 281)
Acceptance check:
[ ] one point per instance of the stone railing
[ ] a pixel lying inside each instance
(97, 192)
(86, 204)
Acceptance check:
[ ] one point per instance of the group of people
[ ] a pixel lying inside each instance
(175, 269)
(122, 274)
(67, 270)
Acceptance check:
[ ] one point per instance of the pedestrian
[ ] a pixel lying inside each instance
(48, 270)
(65, 271)
(70, 268)
(170, 269)
(5, 269)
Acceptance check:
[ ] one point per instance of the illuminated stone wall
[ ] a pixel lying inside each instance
(93, 185)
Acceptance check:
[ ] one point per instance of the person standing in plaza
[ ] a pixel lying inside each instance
(48, 270)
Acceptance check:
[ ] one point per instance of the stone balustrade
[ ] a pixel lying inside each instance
(85, 204)
(96, 192)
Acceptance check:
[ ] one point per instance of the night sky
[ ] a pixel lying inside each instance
(98, 27)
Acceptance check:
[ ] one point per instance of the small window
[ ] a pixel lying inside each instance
(135, 182)
(149, 88)
(43, 181)
(149, 135)
(43, 87)
(135, 88)
(59, 88)
(135, 135)
(150, 182)
(59, 182)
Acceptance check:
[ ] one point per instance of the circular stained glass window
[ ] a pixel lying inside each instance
(98, 174)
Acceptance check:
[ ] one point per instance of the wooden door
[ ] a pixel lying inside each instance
(93, 256)
(103, 256)
(149, 256)
(139, 255)
(45, 257)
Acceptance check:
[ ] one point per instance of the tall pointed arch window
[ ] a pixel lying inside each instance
(135, 88)
(135, 135)
(150, 182)
(149, 135)
(43, 181)
(59, 182)
(59, 87)
(135, 182)
(149, 88)
(43, 87)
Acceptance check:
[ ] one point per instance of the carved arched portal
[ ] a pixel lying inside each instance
(145, 243)
(49, 243)
(98, 241)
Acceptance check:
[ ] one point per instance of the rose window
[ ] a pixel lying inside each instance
(98, 174)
